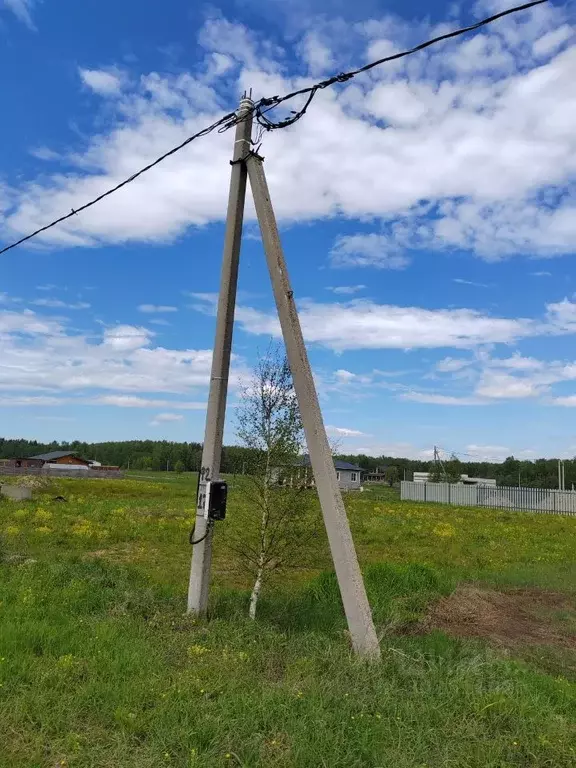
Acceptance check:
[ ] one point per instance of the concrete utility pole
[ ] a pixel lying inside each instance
(213, 435)
(561, 475)
(356, 607)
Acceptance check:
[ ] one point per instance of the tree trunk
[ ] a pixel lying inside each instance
(263, 543)
(256, 590)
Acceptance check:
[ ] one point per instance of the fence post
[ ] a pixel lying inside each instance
(449, 493)
(425, 484)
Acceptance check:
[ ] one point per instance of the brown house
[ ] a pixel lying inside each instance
(60, 457)
(37, 462)
(62, 463)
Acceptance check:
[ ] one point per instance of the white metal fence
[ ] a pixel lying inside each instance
(532, 499)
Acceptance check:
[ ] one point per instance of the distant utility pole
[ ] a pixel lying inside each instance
(438, 461)
(356, 607)
(214, 430)
(561, 475)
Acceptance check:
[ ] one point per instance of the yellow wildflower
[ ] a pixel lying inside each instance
(444, 529)
(197, 650)
(12, 530)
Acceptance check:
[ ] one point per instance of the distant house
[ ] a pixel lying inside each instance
(59, 458)
(57, 463)
(377, 475)
(349, 475)
(55, 460)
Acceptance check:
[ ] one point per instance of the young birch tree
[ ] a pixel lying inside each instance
(275, 526)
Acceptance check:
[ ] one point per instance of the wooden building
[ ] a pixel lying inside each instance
(61, 457)
(57, 463)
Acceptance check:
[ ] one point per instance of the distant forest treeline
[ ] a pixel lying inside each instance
(160, 455)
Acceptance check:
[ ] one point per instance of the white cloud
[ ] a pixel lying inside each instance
(58, 304)
(363, 324)
(101, 82)
(450, 364)
(436, 399)
(44, 153)
(499, 385)
(499, 378)
(22, 9)
(133, 401)
(165, 418)
(42, 356)
(517, 362)
(47, 287)
(397, 449)
(516, 377)
(442, 152)
(541, 274)
(344, 377)
(370, 250)
(156, 308)
(562, 315)
(487, 452)
(315, 53)
(461, 281)
(549, 42)
(344, 432)
(569, 401)
(127, 337)
(28, 401)
(27, 322)
(345, 289)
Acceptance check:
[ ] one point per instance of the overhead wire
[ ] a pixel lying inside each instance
(343, 77)
(476, 459)
(265, 105)
(231, 116)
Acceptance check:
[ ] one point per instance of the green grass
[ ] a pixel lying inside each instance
(100, 666)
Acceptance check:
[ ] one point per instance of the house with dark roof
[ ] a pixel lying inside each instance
(349, 475)
(48, 460)
(58, 464)
(61, 457)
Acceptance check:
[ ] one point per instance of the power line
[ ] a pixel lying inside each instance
(344, 76)
(264, 105)
(223, 121)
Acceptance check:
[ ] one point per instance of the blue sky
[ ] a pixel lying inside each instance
(427, 212)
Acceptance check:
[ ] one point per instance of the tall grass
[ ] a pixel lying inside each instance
(100, 666)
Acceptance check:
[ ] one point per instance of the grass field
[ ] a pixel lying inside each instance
(99, 666)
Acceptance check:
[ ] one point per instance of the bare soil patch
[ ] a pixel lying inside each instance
(511, 619)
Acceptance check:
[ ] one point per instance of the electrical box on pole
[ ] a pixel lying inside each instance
(217, 495)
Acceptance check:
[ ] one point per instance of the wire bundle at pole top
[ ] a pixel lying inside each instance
(265, 105)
